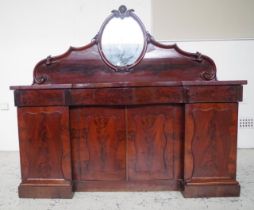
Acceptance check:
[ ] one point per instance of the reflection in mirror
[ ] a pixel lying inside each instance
(122, 41)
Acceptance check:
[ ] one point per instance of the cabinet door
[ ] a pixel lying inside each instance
(44, 143)
(210, 141)
(98, 137)
(155, 134)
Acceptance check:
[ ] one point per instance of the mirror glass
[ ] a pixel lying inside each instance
(122, 41)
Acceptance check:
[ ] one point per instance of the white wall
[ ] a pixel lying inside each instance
(203, 19)
(31, 30)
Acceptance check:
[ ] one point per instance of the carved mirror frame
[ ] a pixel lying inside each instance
(122, 13)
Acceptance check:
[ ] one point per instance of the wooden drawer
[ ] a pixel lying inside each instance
(39, 97)
(126, 96)
(213, 94)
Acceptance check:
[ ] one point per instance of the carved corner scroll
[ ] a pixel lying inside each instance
(40, 79)
(207, 75)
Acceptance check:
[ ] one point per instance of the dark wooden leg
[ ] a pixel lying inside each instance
(210, 150)
(45, 152)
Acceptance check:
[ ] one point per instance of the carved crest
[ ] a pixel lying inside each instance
(122, 12)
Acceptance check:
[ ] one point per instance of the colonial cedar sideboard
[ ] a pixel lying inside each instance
(162, 122)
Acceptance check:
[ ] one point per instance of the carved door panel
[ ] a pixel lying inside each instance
(154, 142)
(44, 143)
(210, 141)
(98, 138)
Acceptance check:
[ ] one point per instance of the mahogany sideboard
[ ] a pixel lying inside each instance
(162, 123)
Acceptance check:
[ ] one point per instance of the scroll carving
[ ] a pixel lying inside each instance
(207, 75)
(40, 79)
(122, 12)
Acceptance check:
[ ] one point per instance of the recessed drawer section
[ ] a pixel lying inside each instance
(126, 96)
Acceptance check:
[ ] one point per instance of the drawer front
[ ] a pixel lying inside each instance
(126, 96)
(39, 97)
(213, 93)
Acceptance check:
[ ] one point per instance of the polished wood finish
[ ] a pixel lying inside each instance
(57, 95)
(160, 62)
(98, 143)
(154, 134)
(210, 149)
(166, 123)
(46, 155)
(127, 185)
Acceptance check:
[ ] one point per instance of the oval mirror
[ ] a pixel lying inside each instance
(122, 40)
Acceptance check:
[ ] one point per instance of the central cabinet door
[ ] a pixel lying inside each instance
(127, 143)
(98, 136)
(154, 142)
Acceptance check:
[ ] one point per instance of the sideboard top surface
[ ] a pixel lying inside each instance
(130, 84)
